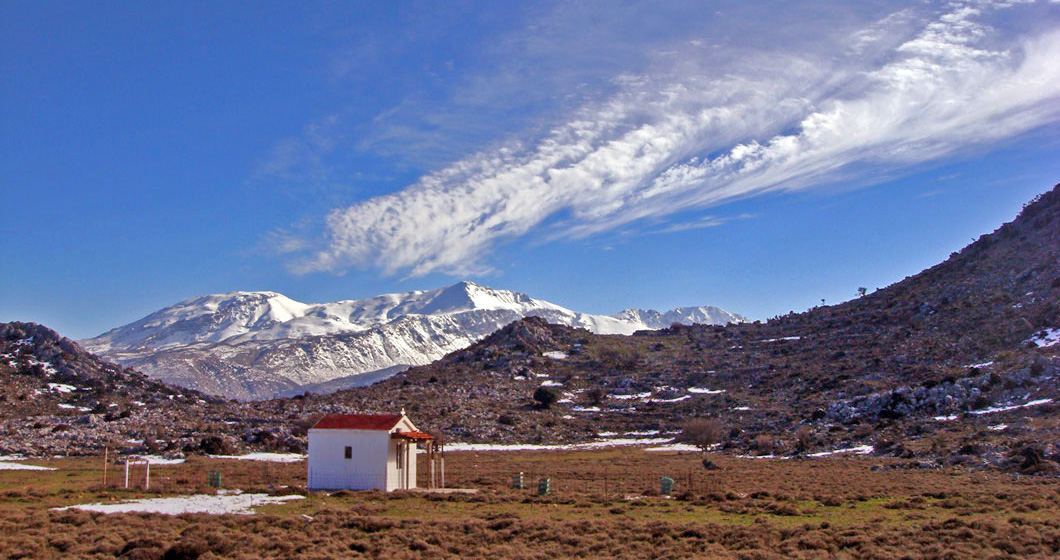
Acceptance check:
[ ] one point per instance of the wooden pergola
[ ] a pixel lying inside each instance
(435, 455)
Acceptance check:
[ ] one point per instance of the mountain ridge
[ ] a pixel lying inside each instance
(250, 345)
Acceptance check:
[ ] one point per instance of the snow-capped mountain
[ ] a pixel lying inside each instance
(251, 345)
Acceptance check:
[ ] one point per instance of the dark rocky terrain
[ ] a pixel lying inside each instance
(58, 399)
(918, 368)
(949, 366)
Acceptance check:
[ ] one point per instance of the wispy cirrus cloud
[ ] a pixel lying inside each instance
(904, 91)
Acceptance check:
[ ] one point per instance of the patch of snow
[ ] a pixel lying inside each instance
(138, 403)
(949, 418)
(760, 457)
(781, 339)
(585, 408)
(11, 466)
(995, 409)
(742, 408)
(629, 397)
(1046, 338)
(540, 375)
(859, 450)
(678, 399)
(673, 447)
(519, 378)
(982, 365)
(565, 401)
(197, 503)
(555, 355)
(705, 391)
(998, 427)
(61, 388)
(618, 442)
(160, 460)
(551, 383)
(267, 457)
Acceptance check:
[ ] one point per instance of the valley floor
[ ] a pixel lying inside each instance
(603, 503)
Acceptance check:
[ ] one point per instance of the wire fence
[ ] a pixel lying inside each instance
(620, 483)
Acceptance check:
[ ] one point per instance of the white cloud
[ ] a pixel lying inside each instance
(695, 137)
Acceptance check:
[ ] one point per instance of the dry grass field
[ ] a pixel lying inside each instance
(603, 503)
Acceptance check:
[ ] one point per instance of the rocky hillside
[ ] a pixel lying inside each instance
(253, 345)
(59, 399)
(959, 364)
(960, 360)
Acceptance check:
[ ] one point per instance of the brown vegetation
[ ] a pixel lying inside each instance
(842, 507)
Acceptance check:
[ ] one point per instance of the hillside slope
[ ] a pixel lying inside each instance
(960, 356)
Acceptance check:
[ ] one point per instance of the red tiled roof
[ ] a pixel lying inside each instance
(412, 435)
(384, 422)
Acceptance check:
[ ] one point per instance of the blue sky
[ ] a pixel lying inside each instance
(758, 156)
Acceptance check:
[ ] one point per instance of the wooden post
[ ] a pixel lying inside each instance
(442, 457)
(105, 456)
(430, 459)
(408, 451)
(147, 474)
(126, 473)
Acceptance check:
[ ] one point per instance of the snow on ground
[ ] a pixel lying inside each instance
(71, 407)
(1046, 338)
(610, 442)
(61, 388)
(673, 447)
(7, 463)
(266, 457)
(760, 457)
(859, 450)
(551, 383)
(781, 339)
(629, 397)
(995, 409)
(982, 365)
(160, 460)
(585, 408)
(705, 391)
(742, 408)
(949, 418)
(678, 399)
(998, 427)
(197, 503)
(555, 355)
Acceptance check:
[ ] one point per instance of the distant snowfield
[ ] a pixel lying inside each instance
(159, 460)
(8, 463)
(261, 337)
(995, 409)
(266, 457)
(220, 504)
(859, 450)
(610, 442)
